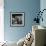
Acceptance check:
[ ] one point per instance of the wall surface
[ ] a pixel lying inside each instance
(43, 6)
(30, 7)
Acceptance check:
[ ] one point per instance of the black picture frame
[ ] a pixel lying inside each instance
(17, 19)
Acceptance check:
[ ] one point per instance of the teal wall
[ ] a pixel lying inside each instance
(27, 6)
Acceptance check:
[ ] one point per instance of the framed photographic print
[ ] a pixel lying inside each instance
(17, 19)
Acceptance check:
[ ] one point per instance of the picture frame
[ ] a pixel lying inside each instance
(17, 19)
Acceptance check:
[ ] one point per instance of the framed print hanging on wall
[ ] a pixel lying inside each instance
(17, 19)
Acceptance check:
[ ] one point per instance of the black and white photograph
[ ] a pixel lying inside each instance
(17, 18)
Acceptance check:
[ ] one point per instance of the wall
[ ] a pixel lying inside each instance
(43, 6)
(30, 7)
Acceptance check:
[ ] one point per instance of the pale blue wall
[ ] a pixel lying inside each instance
(27, 6)
(43, 6)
